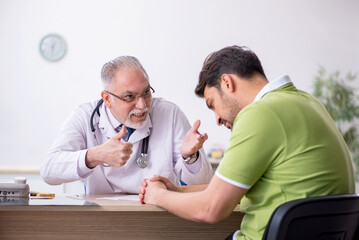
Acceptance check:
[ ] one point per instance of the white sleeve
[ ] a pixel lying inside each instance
(201, 171)
(66, 157)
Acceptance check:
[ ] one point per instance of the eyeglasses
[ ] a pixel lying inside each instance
(131, 98)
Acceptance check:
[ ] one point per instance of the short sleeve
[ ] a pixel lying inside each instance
(257, 139)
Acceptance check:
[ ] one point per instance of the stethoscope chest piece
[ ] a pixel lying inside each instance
(142, 161)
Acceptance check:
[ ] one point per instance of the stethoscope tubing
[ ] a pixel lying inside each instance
(144, 142)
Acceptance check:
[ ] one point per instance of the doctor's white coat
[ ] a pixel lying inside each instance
(167, 127)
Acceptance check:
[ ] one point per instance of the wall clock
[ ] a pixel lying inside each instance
(52, 47)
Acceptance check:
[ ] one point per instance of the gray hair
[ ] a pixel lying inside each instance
(120, 63)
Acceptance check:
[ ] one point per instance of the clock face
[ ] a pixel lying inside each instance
(52, 47)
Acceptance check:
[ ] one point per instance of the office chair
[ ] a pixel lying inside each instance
(333, 217)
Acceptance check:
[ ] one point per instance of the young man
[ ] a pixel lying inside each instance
(284, 146)
(114, 143)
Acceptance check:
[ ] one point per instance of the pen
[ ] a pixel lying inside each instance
(199, 134)
(74, 197)
(40, 194)
(36, 198)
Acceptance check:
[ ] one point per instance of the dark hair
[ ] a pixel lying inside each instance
(237, 60)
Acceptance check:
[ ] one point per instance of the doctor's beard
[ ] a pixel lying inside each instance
(138, 125)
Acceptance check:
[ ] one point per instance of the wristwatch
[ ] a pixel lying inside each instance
(192, 158)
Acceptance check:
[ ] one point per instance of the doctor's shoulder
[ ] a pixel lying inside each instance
(86, 108)
(162, 108)
(79, 119)
(82, 112)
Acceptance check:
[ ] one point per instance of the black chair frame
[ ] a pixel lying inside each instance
(334, 217)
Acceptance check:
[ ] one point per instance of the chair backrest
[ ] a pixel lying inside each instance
(333, 217)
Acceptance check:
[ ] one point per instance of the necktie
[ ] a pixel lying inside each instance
(128, 133)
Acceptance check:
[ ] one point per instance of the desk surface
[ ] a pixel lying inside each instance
(68, 202)
(92, 217)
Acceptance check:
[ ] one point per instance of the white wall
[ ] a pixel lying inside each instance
(171, 39)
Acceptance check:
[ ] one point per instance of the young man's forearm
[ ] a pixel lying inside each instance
(193, 188)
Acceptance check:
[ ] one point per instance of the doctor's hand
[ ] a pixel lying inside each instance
(193, 141)
(113, 152)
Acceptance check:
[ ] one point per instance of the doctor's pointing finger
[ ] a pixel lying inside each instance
(193, 141)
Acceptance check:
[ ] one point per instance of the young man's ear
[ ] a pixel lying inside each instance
(227, 82)
(106, 98)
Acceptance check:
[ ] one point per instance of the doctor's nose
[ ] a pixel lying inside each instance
(140, 103)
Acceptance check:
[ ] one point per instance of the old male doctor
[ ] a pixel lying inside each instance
(114, 143)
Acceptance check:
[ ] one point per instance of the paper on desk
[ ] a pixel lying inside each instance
(58, 200)
(123, 197)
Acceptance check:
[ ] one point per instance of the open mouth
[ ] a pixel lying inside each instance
(139, 116)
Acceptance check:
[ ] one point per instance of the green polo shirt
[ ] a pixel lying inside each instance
(283, 147)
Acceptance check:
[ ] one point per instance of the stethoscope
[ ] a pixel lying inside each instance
(142, 161)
